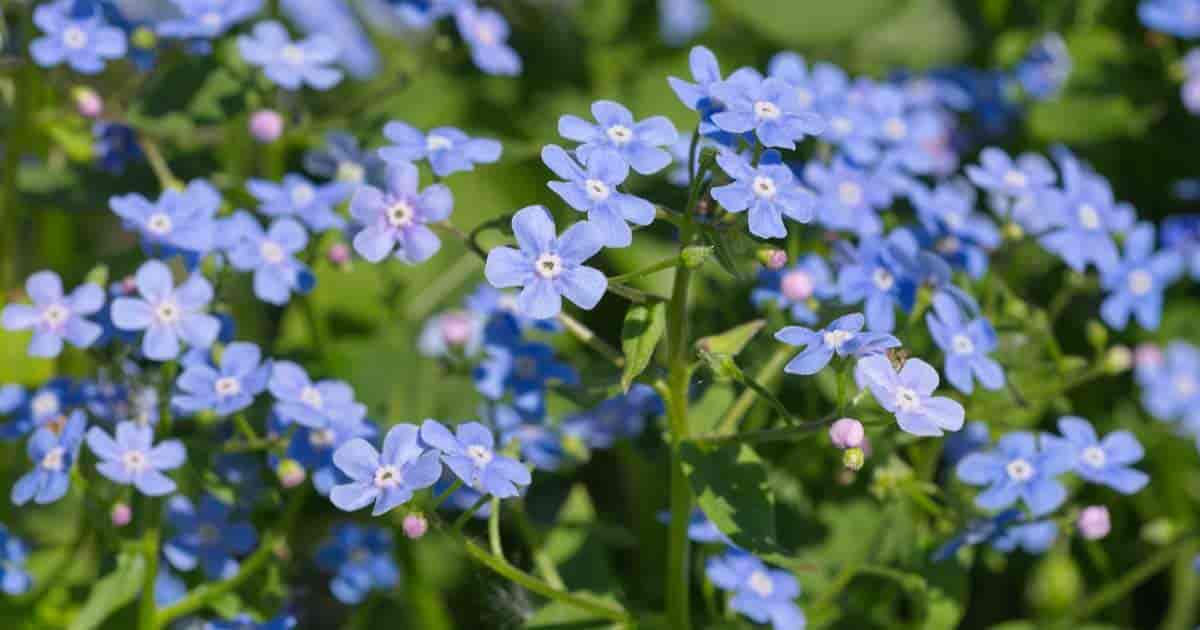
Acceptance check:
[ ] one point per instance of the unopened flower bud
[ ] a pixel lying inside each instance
(266, 125)
(87, 102)
(121, 514)
(1147, 355)
(1094, 522)
(1118, 359)
(797, 285)
(1013, 232)
(693, 256)
(143, 37)
(339, 254)
(415, 526)
(1097, 334)
(291, 473)
(772, 258)
(456, 327)
(854, 458)
(128, 285)
(847, 433)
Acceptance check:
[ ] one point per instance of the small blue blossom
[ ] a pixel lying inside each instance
(1045, 67)
(289, 64)
(883, 274)
(540, 444)
(1182, 234)
(14, 578)
(1015, 180)
(768, 107)
(593, 189)
(386, 479)
(1106, 462)
(168, 587)
(340, 21)
(966, 344)
(548, 267)
(207, 19)
(53, 452)
(49, 405)
(681, 20)
(55, 317)
(700, 528)
(342, 159)
(271, 256)
(315, 405)
(1180, 18)
(206, 536)
(397, 216)
(180, 221)
(769, 191)
(1082, 218)
(638, 143)
(951, 228)
(1171, 389)
(296, 196)
(133, 459)
(115, 146)
(1018, 469)
(699, 96)
(523, 368)
(1136, 284)
(471, 455)
(246, 622)
(314, 449)
(167, 313)
(622, 417)
(843, 336)
(226, 390)
(486, 33)
(797, 290)
(848, 198)
(360, 559)
(81, 39)
(973, 437)
(763, 594)
(909, 395)
(447, 149)
(1035, 538)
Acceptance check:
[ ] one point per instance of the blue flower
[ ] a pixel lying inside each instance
(909, 395)
(447, 149)
(542, 445)
(167, 313)
(966, 345)
(700, 528)
(1180, 18)
(1136, 284)
(290, 64)
(314, 449)
(1019, 180)
(343, 160)
(763, 594)
(48, 406)
(638, 143)
(548, 267)
(271, 255)
(973, 437)
(798, 289)
(456, 332)
(462, 499)
(53, 452)
(168, 587)
(681, 20)
(231, 388)
(1106, 462)
(338, 19)
(471, 455)
(386, 479)
(246, 622)
(883, 273)
(114, 145)
(314, 405)
(486, 33)
(361, 559)
(1182, 234)
(918, 140)
(769, 191)
(55, 317)
(1171, 390)
(207, 19)
(314, 204)
(699, 96)
(205, 536)
(977, 531)
(1082, 217)
(848, 198)
(523, 368)
(397, 216)
(768, 107)
(180, 221)
(843, 336)
(1017, 469)
(1035, 538)
(133, 459)
(14, 578)
(82, 39)
(594, 190)
(622, 417)
(951, 228)
(1045, 67)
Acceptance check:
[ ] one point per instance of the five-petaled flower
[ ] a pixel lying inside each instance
(53, 452)
(133, 459)
(761, 593)
(1018, 469)
(386, 479)
(966, 344)
(447, 149)
(909, 395)
(593, 189)
(472, 456)
(206, 536)
(1103, 461)
(290, 64)
(769, 191)
(769, 107)
(54, 317)
(167, 313)
(843, 336)
(316, 405)
(397, 216)
(638, 143)
(78, 36)
(227, 388)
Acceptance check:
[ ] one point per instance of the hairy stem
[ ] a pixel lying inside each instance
(678, 375)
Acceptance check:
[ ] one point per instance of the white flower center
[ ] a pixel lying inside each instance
(895, 129)
(55, 315)
(948, 245)
(1015, 179)
(764, 187)
(44, 404)
(321, 438)
(167, 312)
(766, 110)
(835, 338)
(883, 279)
(525, 367)
(596, 190)
(485, 34)
(1089, 218)
(907, 399)
(761, 584)
(350, 172)
(1185, 385)
(620, 134)
(1020, 470)
(227, 386)
(1094, 456)
(292, 54)
(850, 193)
(548, 265)
(74, 37)
(311, 396)
(1140, 282)
(134, 461)
(805, 96)
(208, 533)
(212, 19)
(53, 459)
(841, 125)
(158, 224)
(271, 252)
(482, 456)
(796, 285)
(401, 214)
(962, 344)
(387, 477)
(434, 142)
(302, 195)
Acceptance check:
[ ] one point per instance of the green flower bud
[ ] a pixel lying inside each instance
(694, 255)
(854, 458)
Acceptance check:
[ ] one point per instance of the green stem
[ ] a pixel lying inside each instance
(766, 374)
(494, 530)
(767, 435)
(678, 375)
(666, 263)
(158, 164)
(432, 295)
(10, 199)
(1116, 591)
(243, 426)
(441, 498)
(541, 560)
(147, 608)
(591, 340)
(466, 516)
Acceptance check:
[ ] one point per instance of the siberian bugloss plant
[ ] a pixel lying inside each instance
(734, 339)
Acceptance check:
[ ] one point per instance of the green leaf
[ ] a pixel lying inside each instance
(732, 341)
(112, 592)
(796, 24)
(1087, 119)
(643, 328)
(730, 484)
(219, 97)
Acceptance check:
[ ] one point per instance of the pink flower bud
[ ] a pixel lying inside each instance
(415, 526)
(339, 254)
(776, 260)
(291, 473)
(1147, 355)
(797, 285)
(266, 125)
(88, 103)
(1094, 522)
(121, 514)
(456, 328)
(847, 433)
(128, 285)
